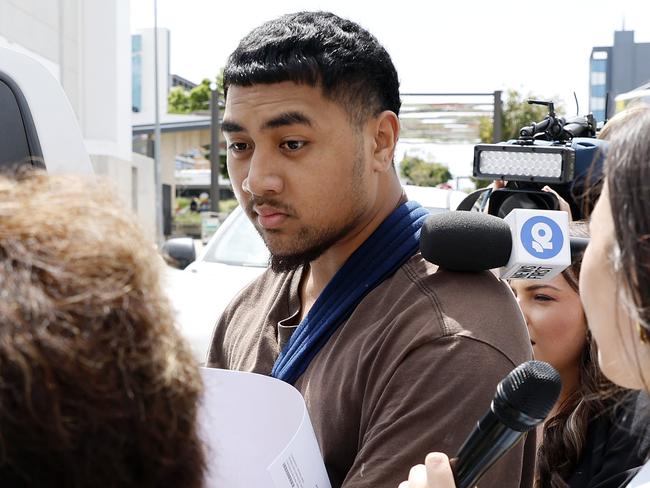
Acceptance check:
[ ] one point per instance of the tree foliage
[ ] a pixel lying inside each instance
(417, 171)
(181, 101)
(178, 101)
(199, 96)
(517, 113)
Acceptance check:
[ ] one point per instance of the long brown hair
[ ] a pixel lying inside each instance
(96, 386)
(565, 434)
(627, 170)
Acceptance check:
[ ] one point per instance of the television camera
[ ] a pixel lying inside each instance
(560, 152)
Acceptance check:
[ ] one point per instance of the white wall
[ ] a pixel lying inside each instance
(105, 71)
(121, 177)
(33, 25)
(86, 44)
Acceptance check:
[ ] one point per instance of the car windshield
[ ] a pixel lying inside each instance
(238, 243)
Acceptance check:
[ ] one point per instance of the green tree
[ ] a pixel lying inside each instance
(199, 96)
(181, 101)
(178, 101)
(517, 113)
(418, 172)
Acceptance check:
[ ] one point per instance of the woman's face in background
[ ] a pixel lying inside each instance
(621, 354)
(556, 322)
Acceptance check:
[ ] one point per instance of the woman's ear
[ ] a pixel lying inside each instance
(386, 133)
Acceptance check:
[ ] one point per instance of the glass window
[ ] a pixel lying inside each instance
(599, 65)
(14, 147)
(598, 78)
(598, 91)
(597, 103)
(136, 82)
(136, 43)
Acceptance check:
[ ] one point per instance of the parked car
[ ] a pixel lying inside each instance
(232, 258)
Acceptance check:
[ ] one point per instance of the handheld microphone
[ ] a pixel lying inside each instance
(475, 241)
(522, 401)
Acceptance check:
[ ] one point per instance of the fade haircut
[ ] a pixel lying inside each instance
(319, 49)
(96, 386)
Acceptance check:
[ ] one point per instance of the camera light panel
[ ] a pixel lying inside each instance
(548, 164)
(526, 164)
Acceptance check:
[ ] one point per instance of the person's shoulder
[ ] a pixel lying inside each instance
(419, 267)
(454, 289)
(478, 306)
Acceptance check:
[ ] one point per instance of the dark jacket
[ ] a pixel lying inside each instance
(617, 446)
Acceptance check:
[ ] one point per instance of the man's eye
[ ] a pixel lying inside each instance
(238, 146)
(293, 145)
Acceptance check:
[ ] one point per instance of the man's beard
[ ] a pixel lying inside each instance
(315, 244)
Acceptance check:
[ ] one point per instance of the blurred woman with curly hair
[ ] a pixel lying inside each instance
(96, 386)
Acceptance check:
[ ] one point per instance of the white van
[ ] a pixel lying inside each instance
(37, 123)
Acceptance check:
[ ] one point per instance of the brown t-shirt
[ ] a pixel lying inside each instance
(411, 371)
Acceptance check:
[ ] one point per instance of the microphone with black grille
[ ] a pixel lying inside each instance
(522, 401)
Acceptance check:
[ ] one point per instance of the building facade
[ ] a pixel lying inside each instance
(616, 69)
(86, 45)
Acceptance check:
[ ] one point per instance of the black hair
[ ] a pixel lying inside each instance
(319, 49)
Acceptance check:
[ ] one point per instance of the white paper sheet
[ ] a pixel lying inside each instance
(258, 433)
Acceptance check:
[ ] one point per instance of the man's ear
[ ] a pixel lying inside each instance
(386, 133)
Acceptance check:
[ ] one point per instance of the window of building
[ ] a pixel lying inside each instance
(136, 73)
(598, 78)
(599, 65)
(597, 103)
(598, 91)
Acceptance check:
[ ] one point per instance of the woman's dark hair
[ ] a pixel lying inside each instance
(627, 170)
(97, 388)
(319, 49)
(566, 432)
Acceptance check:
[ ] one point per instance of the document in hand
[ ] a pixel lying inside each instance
(257, 433)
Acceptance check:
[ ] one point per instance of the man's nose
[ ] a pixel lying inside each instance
(263, 175)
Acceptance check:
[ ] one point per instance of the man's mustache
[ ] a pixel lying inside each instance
(271, 202)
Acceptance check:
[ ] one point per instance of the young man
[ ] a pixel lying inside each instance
(394, 357)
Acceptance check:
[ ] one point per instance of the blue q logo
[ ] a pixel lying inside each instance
(542, 237)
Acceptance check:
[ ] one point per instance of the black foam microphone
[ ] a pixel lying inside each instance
(466, 241)
(523, 400)
(472, 241)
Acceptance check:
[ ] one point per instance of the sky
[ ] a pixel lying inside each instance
(540, 47)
